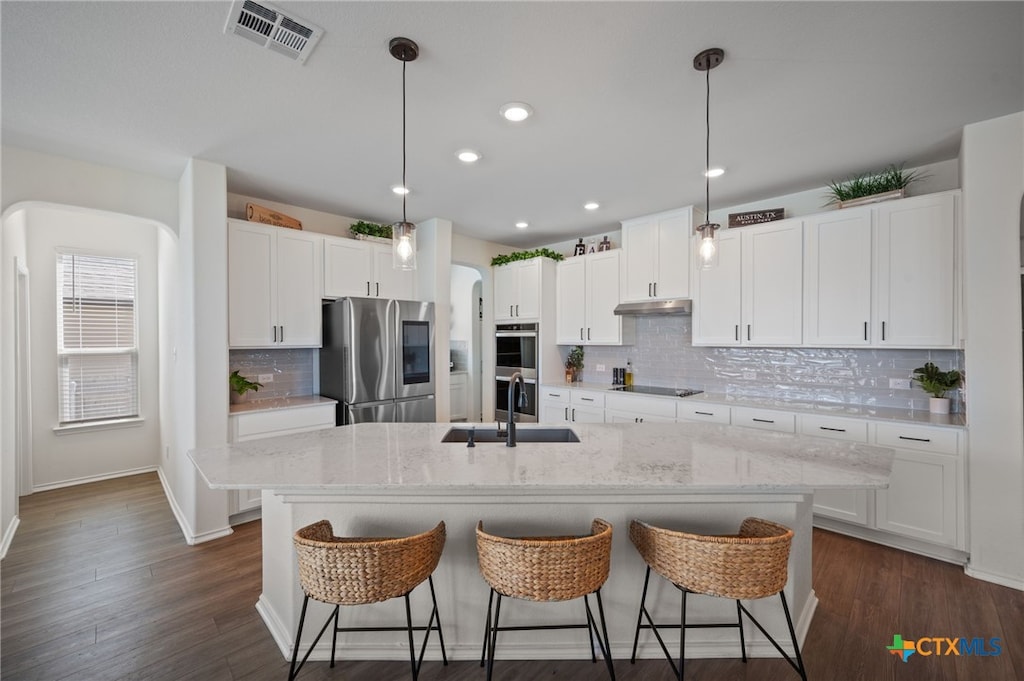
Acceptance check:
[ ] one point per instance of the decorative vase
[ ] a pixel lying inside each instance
(239, 399)
(570, 376)
(938, 405)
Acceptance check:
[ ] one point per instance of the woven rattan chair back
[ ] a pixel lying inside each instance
(360, 570)
(751, 564)
(546, 568)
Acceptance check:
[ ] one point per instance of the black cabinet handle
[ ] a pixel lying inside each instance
(748, 331)
(275, 333)
(567, 413)
(574, 414)
(588, 333)
(737, 332)
(282, 334)
(883, 330)
(378, 289)
(655, 289)
(586, 399)
(581, 333)
(367, 289)
(510, 311)
(834, 430)
(865, 330)
(915, 439)
(704, 413)
(763, 421)
(649, 290)
(553, 395)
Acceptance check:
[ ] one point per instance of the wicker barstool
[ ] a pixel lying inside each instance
(748, 565)
(362, 570)
(546, 569)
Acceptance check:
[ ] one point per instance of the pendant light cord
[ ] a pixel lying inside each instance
(404, 185)
(707, 145)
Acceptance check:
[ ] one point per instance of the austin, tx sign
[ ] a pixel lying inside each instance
(756, 217)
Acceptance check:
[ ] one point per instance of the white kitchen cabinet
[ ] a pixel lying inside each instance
(916, 272)
(586, 406)
(587, 292)
(620, 408)
(849, 505)
(838, 278)
(518, 288)
(657, 255)
(554, 405)
(703, 413)
(364, 269)
(764, 419)
(274, 277)
(753, 295)
(459, 391)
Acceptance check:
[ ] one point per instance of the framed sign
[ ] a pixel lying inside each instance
(756, 217)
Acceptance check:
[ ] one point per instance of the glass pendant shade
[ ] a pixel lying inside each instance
(403, 245)
(708, 247)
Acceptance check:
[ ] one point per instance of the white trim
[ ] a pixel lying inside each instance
(1002, 580)
(9, 536)
(112, 424)
(186, 529)
(92, 478)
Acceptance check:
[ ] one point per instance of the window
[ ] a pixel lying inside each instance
(97, 338)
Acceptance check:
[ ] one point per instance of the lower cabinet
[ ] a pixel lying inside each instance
(459, 391)
(554, 405)
(586, 406)
(631, 409)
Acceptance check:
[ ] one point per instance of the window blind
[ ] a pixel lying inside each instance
(97, 337)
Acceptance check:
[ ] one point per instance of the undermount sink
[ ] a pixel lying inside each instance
(522, 435)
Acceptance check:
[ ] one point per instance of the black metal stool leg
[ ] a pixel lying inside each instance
(739, 623)
(437, 615)
(792, 634)
(682, 633)
(298, 637)
(412, 645)
(640, 615)
(607, 649)
(494, 639)
(591, 630)
(487, 630)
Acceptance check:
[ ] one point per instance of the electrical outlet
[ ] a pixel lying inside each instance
(265, 378)
(899, 384)
(600, 367)
(750, 375)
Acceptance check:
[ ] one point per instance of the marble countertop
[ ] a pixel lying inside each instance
(652, 458)
(293, 402)
(914, 416)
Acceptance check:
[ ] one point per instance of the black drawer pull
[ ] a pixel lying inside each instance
(916, 439)
(553, 395)
(834, 430)
(763, 421)
(586, 399)
(705, 413)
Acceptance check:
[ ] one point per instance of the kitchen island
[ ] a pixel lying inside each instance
(392, 479)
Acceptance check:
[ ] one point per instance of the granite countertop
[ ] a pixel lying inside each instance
(636, 459)
(292, 402)
(914, 416)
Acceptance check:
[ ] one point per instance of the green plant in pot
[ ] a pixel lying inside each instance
(871, 186)
(240, 386)
(371, 229)
(937, 383)
(574, 364)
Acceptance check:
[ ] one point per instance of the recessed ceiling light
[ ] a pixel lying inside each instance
(516, 111)
(714, 172)
(522, 225)
(468, 156)
(400, 190)
(592, 205)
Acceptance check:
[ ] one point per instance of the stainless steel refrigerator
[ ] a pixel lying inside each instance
(377, 360)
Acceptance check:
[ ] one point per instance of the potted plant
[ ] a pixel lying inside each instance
(240, 385)
(871, 187)
(937, 383)
(370, 231)
(574, 364)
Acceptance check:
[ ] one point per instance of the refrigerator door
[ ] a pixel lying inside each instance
(414, 363)
(357, 359)
(369, 412)
(416, 410)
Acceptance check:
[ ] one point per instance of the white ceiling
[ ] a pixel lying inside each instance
(808, 92)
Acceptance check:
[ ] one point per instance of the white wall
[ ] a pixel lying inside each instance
(65, 457)
(465, 327)
(312, 220)
(433, 275)
(992, 168)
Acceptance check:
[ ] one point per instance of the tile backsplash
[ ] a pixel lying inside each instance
(664, 356)
(292, 370)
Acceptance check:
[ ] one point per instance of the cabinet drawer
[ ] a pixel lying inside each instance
(273, 422)
(920, 438)
(558, 396)
(644, 406)
(765, 419)
(706, 413)
(834, 428)
(586, 398)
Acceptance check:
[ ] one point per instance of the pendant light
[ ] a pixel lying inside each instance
(705, 61)
(403, 234)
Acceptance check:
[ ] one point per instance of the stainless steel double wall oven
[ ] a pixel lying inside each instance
(516, 350)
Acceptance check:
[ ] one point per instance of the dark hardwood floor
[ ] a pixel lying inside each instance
(99, 584)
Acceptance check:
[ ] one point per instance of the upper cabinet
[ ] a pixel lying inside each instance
(518, 288)
(274, 280)
(364, 269)
(587, 293)
(884, 275)
(753, 295)
(657, 255)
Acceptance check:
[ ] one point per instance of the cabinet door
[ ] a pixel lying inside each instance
(571, 302)
(640, 245)
(837, 278)
(921, 501)
(915, 269)
(298, 289)
(527, 303)
(673, 257)
(586, 415)
(849, 505)
(390, 282)
(459, 393)
(348, 268)
(772, 284)
(716, 301)
(251, 286)
(553, 411)
(505, 291)
(602, 296)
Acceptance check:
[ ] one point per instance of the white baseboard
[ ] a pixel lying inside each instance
(191, 538)
(92, 478)
(995, 578)
(9, 536)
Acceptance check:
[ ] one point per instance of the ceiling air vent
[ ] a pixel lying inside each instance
(269, 27)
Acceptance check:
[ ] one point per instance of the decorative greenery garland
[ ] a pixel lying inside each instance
(371, 229)
(526, 255)
(893, 177)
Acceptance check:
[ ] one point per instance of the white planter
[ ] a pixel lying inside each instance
(938, 405)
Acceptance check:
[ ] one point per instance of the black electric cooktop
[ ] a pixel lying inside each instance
(649, 390)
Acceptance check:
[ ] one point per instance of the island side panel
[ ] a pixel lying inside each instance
(462, 593)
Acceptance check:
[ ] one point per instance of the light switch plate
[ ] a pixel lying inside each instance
(899, 384)
(600, 367)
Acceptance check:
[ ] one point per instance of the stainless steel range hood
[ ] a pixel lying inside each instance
(681, 306)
